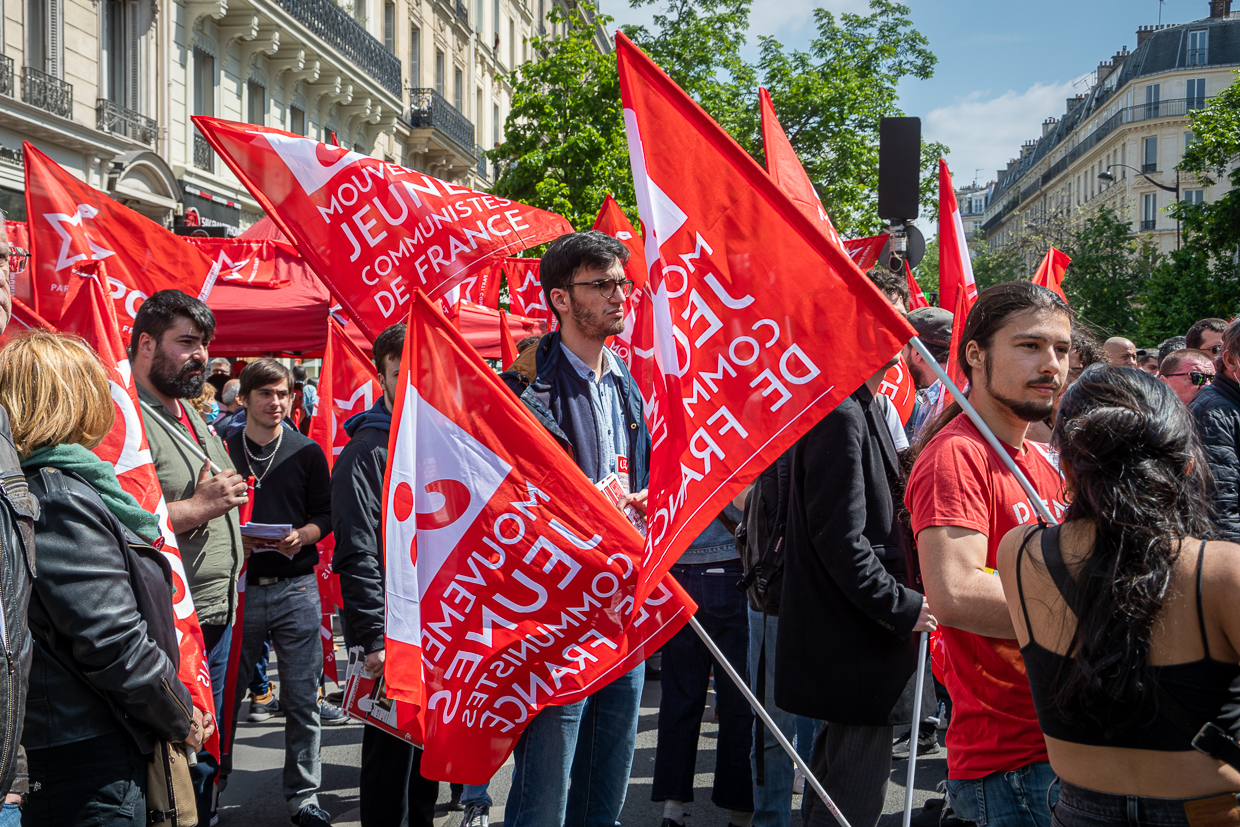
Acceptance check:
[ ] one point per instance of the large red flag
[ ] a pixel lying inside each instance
(525, 293)
(955, 265)
(747, 295)
(612, 220)
(253, 262)
(374, 232)
(960, 314)
(786, 170)
(1051, 271)
(90, 314)
(72, 224)
(898, 386)
(510, 579)
(348, 385)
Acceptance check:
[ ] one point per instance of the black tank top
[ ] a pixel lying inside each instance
(1208, 689)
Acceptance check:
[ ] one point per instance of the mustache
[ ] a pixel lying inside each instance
(1053, 384)
(192, 365)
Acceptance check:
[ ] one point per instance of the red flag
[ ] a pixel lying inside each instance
(955, 265)
(374, 232)
(746, 296)
(253, 262)
(510, 579)
(612, 220)
(72, 224)
(1051, 271)
(348, 385)
(507, 347)
(525, 293)
(960, 313)
(786, 170)
(329, 586)
(864, 251)
(917, 299)
(898, 386)
(91, 315)
(23, 318)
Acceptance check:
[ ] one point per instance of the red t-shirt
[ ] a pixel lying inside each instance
(959, 481)
(183, 416)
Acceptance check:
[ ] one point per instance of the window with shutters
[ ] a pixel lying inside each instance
(1194, 197)
(1149, 211)
(458, 90)
(495, 18)
(296, 120)
(415, 57)
(389, 26)
(439, 69)
(1152, 92)
(256, 103)
(1198, 43)
(122, 53)
(1196, 93)
(1149, 154)
(45, 36)
(204, 83)
(478, 16)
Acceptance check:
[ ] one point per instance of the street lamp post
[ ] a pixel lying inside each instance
(1107, 175)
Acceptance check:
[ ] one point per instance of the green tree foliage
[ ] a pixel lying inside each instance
(564, 144)
(1111, 267)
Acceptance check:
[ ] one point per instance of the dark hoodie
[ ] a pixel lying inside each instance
(357, 513)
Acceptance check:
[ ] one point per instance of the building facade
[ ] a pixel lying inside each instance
(1132, 123)
(107, 88)
(973, 201)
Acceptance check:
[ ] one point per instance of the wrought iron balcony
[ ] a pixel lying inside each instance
(427, 108)
(461, 11)
(350, 38)
(1149, 167)
(482, 162)
(204, 155)
(6, 75)
(114, 118)
(1147, 224)
(51, 94)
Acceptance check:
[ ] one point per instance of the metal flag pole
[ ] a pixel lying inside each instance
(800, 763)
(987, 434)
(186, 442)
(915, 732)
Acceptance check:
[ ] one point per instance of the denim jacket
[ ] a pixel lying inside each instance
(715, 544)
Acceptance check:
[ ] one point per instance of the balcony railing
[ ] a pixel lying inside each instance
(204, 155)
(1149, 167)
(1147, 224)
(48, 93)
(350, 38)
(427, 108)
(461, 11)
(482, 162)
(116, 119)
(6, 75)
(1197, 57)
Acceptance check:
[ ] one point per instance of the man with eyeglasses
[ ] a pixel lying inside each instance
(573, 761)
(1206, 335)
(1186, 372)
(13, 261)
(1216, 407)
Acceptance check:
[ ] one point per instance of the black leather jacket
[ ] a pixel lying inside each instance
(105, 648)
(18, 510)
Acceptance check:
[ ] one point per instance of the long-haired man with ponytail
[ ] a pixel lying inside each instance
(962, 500)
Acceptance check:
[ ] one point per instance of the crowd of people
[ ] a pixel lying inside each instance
(1085, 671)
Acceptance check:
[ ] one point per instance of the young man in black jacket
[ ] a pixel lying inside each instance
(293, 488)
(392, 787)
(1217, 411)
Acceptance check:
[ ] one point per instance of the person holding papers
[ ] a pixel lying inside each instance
(292, 489)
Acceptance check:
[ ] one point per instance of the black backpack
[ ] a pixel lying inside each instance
(760, 537)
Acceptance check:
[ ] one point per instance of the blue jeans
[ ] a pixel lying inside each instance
(1079, 807)
(11, 816)
(588, 744)
(772, 801)
(476, 794)
(218, 640)
(1020, 797)
(687, 664)
(259, 682)
(289, 611)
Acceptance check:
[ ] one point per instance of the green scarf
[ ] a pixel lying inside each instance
(102, 477)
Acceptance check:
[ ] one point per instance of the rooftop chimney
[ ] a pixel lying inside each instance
(1220, 8)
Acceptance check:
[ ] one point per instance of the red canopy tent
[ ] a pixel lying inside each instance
(480, 327)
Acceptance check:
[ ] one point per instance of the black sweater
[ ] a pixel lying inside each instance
(297, 490)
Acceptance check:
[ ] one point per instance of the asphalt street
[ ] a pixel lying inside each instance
(253, 797)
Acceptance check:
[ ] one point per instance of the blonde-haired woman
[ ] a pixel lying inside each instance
(103, 686)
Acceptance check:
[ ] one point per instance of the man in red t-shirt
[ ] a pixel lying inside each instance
(963, 499)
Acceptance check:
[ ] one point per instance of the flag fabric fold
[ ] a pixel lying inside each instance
(507, 347)
(1051, 271)
(955, 265)
(348, 385)
(510, 579)
(746, 294)
(72, 224)
(917, 298)
(787, 171)
(374, 231)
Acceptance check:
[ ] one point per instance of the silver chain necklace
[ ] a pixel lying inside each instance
(270, 460)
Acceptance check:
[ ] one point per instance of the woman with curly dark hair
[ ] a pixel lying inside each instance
(1127, 617)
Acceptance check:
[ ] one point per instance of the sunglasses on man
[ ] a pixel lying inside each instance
(1196, 377)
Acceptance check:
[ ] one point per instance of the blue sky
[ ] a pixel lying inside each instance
(1004, 66)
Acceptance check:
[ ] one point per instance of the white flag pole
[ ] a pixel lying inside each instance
(810, 779)
(186, 442)
(913, 734)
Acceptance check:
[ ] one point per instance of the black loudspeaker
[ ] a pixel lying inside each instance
(899, 167)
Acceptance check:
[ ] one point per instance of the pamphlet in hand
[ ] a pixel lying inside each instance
(272, 534)
(611, 486)
(365, 700)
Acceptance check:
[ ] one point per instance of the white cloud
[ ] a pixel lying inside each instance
(984, 131)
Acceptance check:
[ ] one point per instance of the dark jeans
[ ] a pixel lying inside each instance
(99, 782)
(218, 639)
(724, 614)
(392, 786)
(1079, 807)
(259, 682)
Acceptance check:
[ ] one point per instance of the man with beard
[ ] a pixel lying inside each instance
(584, 395)
(168, 353)
(962, 500)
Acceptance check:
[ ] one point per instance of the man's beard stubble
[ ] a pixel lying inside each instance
(175, 383)
(593, 324)
(1031, 411)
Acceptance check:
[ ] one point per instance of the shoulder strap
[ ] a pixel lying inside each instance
(1201, 613)
(1058, 569)
(1020, 584)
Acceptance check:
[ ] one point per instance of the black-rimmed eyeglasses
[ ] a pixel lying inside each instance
(607, 287)
(18, 258)
(1196, 377)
